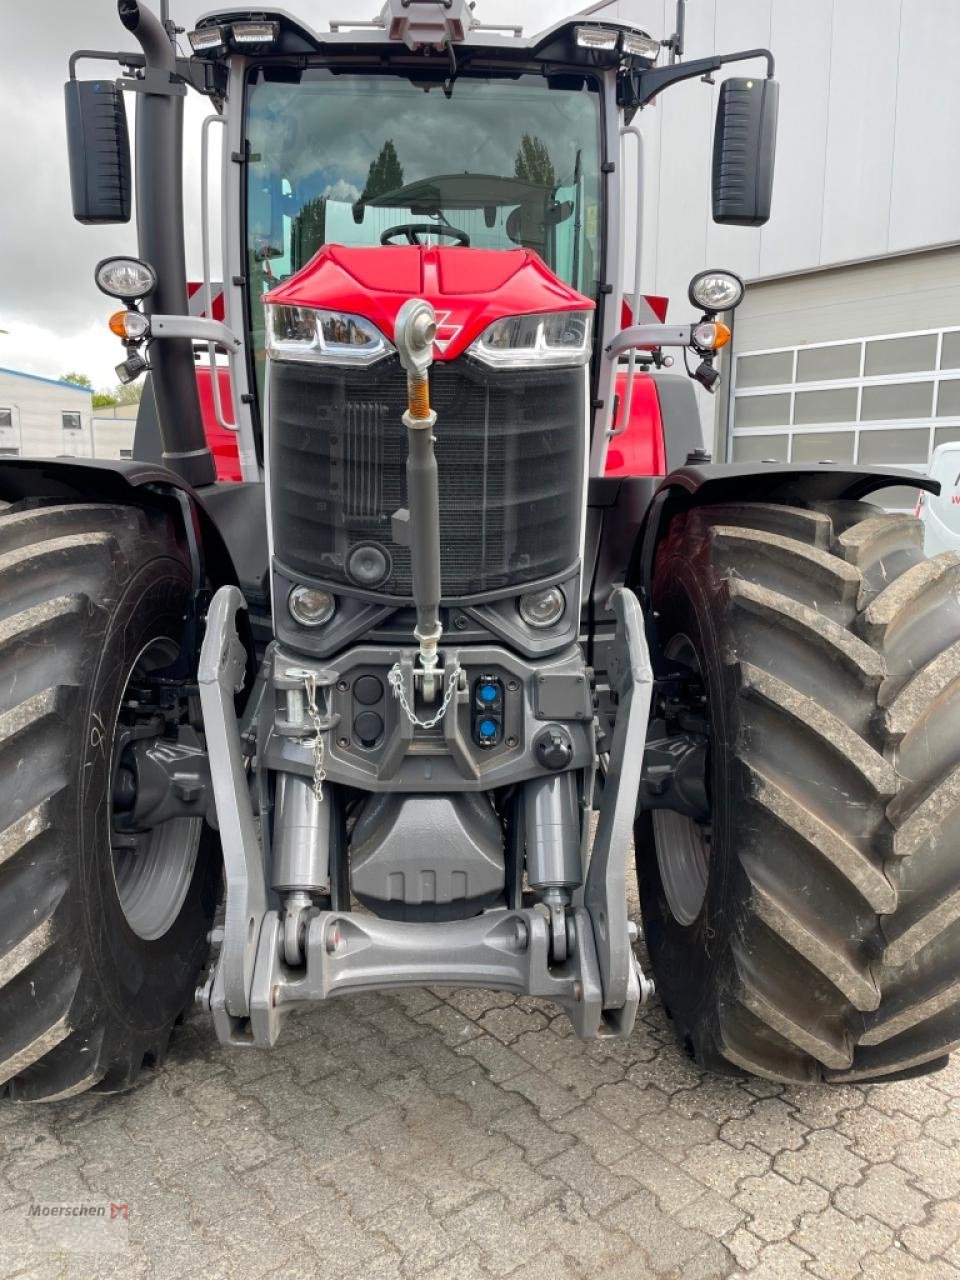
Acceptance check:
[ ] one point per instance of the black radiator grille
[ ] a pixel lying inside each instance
(509, 447)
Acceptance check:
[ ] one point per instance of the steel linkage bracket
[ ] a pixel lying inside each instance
(222, 670)
(605, 892)
(347, 952)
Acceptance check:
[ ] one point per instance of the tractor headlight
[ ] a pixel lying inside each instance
(128, 279)
(311, 608)
(542, 609)
(561, 337)
(330, 337)
(716, 290)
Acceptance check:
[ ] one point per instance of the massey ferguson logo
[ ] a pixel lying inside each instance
(446, 332)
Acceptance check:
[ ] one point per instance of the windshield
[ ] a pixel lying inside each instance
(498, 163)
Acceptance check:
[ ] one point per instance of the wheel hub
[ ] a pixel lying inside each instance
(160, 796)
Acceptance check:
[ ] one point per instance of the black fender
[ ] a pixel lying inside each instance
(228, 519)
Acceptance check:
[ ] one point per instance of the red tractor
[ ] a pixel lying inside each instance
(372, 694)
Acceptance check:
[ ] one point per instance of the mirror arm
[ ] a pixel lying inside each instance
(131, 60)
(636, 88)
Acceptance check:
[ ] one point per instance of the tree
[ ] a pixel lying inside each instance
(78, 380)
(386, 172)
(128, 393)
(533, 163)
(101, 399)
(308, 232)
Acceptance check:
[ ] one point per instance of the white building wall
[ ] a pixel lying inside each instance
(866, 150)
(37, 407)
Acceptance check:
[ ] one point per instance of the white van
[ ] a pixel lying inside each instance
(941, 515)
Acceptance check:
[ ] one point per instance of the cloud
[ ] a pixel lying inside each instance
(54, 315)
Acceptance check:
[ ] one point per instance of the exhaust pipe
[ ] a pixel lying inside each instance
(159, 187)
(416, 328)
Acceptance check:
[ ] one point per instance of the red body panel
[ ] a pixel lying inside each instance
(469, 288)
(640, 451)
(223, 444)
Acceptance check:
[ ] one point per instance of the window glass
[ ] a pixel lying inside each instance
(898, 445)
(819, 446)
(765, 371)
(901, 355)
(508, 162)
(896, 400)
(762, 411)
(759, 448)
(948, 399)
(950, 351)
(6, 417)
(945, 435)
(71, 421)
(818, 364)
(839, 404)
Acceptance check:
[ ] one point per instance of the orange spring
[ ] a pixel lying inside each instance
(418, 398)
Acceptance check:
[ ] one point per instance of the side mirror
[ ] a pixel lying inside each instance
(98, 147)
(744, 145)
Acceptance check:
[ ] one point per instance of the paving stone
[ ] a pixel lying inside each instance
(591, 1244)
(672, 1187)
(524, 1187)
(775, 1205)
(712, 1213)
(464, 1135)
(669, 1246)
(591, 1128)
(933, 1167)
(499, 1062)
(885, 1194)
(837, 1244)
(597, 1186)
(723, 1167)
(783, 1261)
(825, 1157)
(504, 1243)
(770, 1125)
(510, 1023)
(451, 1024)
(937, 1234)
(896, 1264)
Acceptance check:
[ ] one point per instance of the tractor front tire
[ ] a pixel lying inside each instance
(811, 930)
(88, 992)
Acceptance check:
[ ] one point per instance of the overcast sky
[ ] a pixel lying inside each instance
(54, 317)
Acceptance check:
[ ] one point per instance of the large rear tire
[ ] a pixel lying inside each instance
(92, 977)
(825, 940)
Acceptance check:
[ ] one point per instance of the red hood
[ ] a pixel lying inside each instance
(469, 288)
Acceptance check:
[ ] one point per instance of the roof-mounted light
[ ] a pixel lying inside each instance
(597, 38)
(208, 40)
(638, 45)
(245, 34)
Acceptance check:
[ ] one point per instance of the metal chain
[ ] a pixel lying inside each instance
(396, 682)
(313, 711)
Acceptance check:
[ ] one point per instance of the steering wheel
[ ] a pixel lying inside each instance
(414, 230)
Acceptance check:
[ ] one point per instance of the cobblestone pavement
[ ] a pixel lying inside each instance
(467, 1135)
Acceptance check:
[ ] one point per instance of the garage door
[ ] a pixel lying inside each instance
(859, 364)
